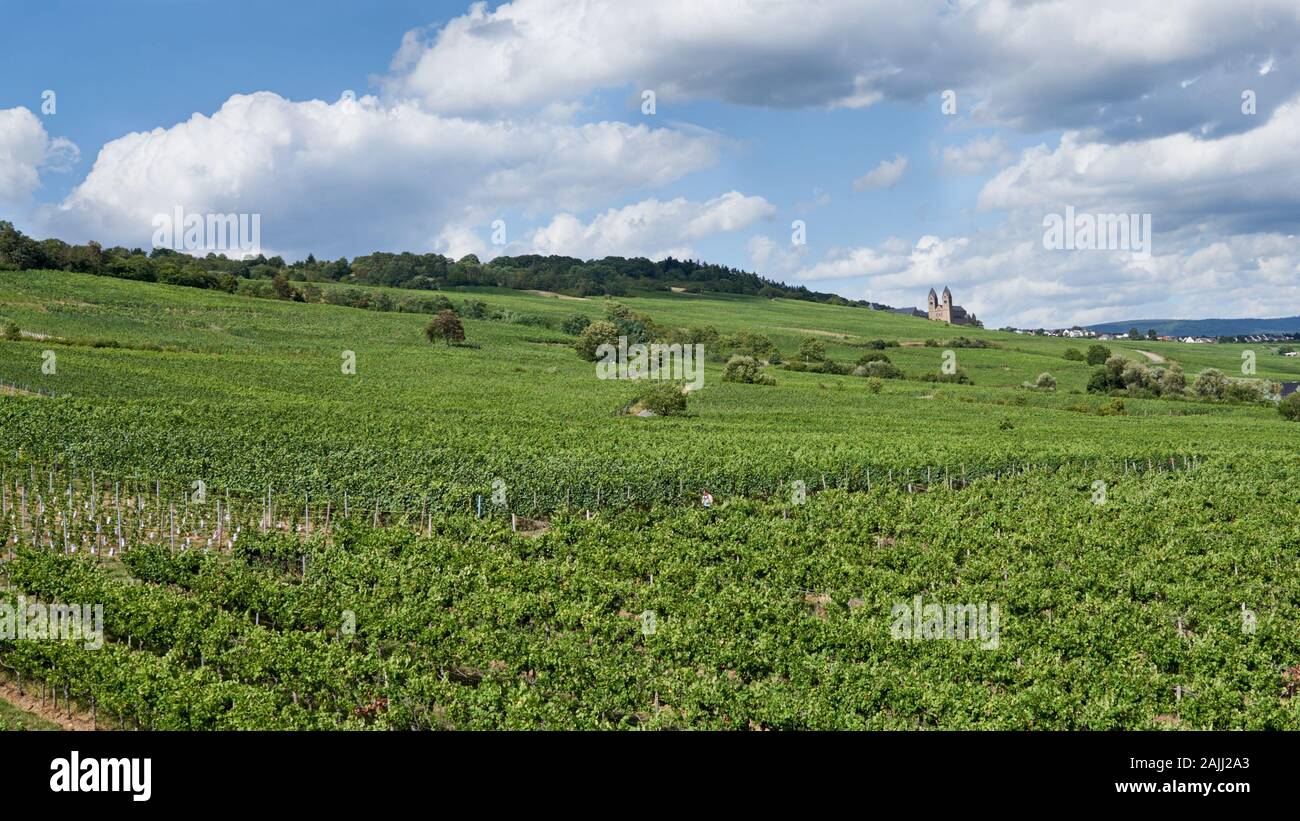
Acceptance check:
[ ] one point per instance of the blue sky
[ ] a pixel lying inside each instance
(531, 113)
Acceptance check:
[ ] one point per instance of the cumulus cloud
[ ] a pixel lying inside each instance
(1238, 182)
(976, 156)
(1007, 277)
(1115, 66)
(885, 175)
(26, 149)
(651, 228)
(327, 176)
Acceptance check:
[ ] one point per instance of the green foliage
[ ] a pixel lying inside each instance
(1075, 355)
(1098, 354)
(593, 336)
(575, 324)
(1045, 382)
(12, 332)
(812, 350)
(747, 370)
(663, 399)
(1289, 407)
(877, 369)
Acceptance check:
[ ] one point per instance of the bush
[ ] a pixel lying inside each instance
(664, 399)
(958, 377)
(12, 332)
(1173, 381)
(1290, 407)
(593, 336)
(1045, 382)
(876, 344)
(878, 370)
(812, 350)
(1115, 407)
(1075, 355)
(875, 385)
(1098, 354)
(746, 369)
(445, 326)
(1210, 384)
(872, 357)
(575, 324)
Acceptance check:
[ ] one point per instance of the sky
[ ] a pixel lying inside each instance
(871, 148)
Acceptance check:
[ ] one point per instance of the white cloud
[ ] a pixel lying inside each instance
(1238, 179)
(976, 156)
(1094, 64)
(650, 228)
(329, 177)
(1006, 277)
(26, 149)
(885, 175)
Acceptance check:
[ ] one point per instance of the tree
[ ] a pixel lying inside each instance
(747, 370)
(283, 289)
(445, 326)
(1151, 333)
(1290, 407)
(1134, 333)
(575, 324)
(1098, 354)
(1210, 384)
(593, 336)
(812, 350)
(1075, 355)
(1173, 381)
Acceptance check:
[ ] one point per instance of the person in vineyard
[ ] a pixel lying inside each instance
(706, 498)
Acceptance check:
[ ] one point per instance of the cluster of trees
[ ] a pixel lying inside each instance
(1121, 376)
(611, 276)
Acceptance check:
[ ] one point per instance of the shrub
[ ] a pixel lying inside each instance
(664, 399)
(872, 357)
(575, 324)
(958, 377)
(747, 370)
(1115, 407)
(1045, 382)
(1210, 384)
(474, 309)
(1075, 355)
(593, 336)
(1173, 381)
(878, 370)
(875, 385)
(812, 350)
(445, 326)
(1098, 354)
(1290, 407)
(876, 344)
(12, 332)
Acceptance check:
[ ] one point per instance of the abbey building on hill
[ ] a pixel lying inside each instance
(942, 310)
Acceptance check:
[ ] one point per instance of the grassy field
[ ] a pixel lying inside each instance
(1143, 564)
(247, 393)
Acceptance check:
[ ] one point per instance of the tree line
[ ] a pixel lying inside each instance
(610, 276)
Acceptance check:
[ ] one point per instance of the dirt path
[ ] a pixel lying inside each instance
(1154, 357)
(32, 704)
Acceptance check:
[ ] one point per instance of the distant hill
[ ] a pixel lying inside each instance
(1204, 327)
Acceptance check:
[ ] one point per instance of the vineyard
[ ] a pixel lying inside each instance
(280, 544)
